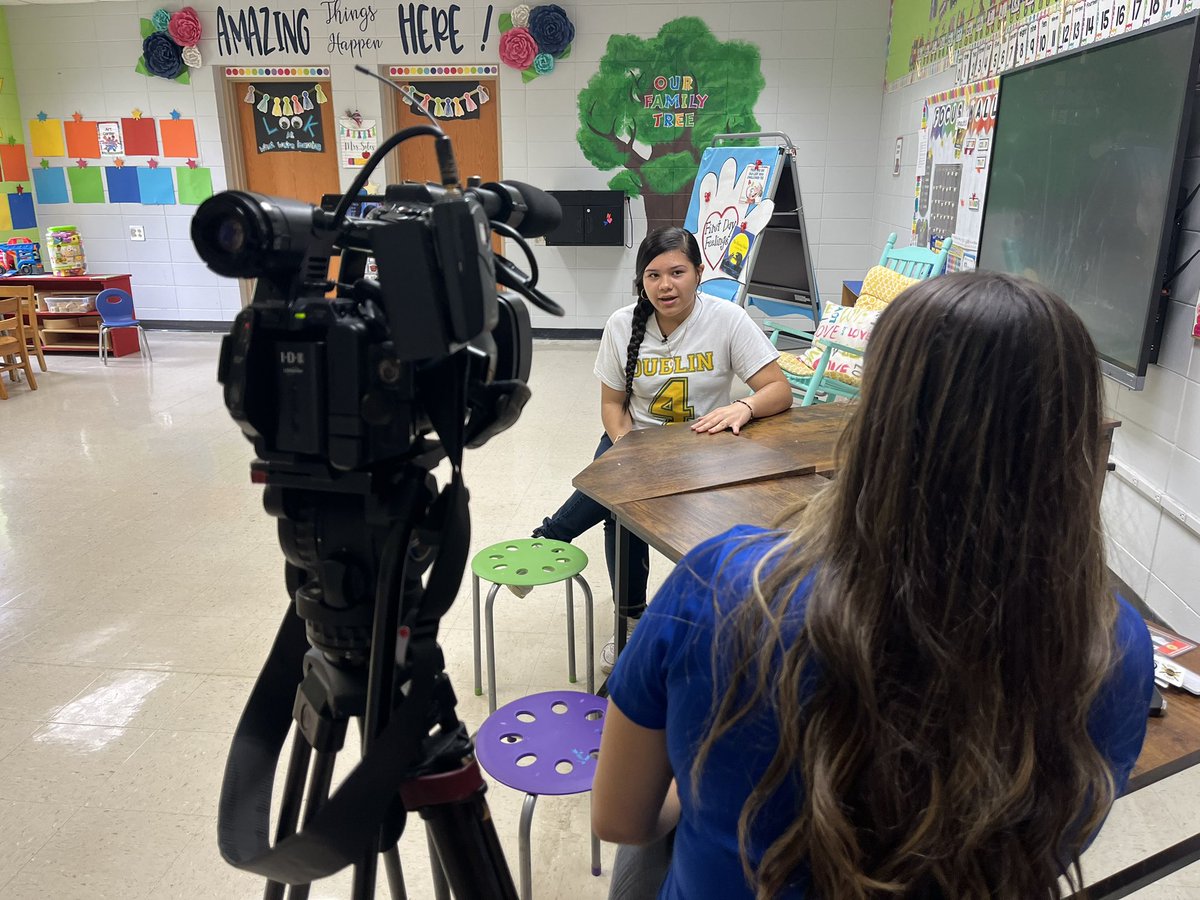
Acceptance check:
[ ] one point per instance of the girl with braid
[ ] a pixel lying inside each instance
(670, 358)
(918, 687)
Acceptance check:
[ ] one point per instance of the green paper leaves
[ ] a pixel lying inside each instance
(505, 22)
(147, 28)
(527, 75)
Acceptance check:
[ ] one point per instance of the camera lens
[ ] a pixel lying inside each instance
(231, 236)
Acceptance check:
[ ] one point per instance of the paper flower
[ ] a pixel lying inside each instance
(191, 57)
(119, 163)
(161, 19)
(41, 117)
(162, 55)
(20, 188)
(77, 116)
(518, 48)
(191, 164)
(184, 27)
(550, 27)
(81, 163)
(520, 15)
(136, 113)
(45, 164)
(176, 115)
(153, 164)
(543, 64)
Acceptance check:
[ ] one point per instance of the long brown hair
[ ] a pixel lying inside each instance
(934, 705)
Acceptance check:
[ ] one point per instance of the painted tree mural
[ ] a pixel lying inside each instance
(656, 103)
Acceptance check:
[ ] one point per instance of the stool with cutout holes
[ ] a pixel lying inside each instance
(528, 563)
(543, 744)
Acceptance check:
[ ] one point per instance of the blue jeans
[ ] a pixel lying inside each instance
(580, 513)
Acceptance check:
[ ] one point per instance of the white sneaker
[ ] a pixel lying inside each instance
(608, 653)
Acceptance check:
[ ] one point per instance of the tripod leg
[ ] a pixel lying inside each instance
(441, 888)
(289, 808)
(570, 633)
(523, 846)
(364, 877)
(491, 649)
(475, 634)
(318, 793)
(395, 873)
(589, 627)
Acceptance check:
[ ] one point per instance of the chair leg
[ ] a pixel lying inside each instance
(475, 634)
(589, 628)
(3, 389)
(595, 853)
(145, 344)
(491, 648)
(570, 634)
(523, 846)
(29, 371)
(100, 349)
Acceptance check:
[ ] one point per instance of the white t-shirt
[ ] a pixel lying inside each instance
(690, 373)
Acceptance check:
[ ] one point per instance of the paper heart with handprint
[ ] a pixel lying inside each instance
(724, 211)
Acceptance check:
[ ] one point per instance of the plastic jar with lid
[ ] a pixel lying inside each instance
(64, 246)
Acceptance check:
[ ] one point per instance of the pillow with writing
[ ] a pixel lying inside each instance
(846, 325)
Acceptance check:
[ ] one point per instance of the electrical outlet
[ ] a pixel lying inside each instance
(137, 233)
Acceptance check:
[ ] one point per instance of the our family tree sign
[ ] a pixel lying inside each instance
(287, 117)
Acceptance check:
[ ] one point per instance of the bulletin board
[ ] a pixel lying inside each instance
(954, 152)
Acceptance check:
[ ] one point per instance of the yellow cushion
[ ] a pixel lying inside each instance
(870, 302)
(792, 364)
(884, 284)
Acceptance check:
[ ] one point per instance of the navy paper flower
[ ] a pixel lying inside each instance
(551, 28)
(163, 56)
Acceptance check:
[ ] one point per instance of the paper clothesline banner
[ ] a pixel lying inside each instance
(83, 140)
(50, 185)
(156, 187)
(46, 137)
(87, 185)
(20, 208)
(448, 100)
(288, 117)
(12, 161)
(123, 186)
(195, 185)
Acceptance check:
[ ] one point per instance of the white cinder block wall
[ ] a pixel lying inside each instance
(822, 60)
(1159, 440)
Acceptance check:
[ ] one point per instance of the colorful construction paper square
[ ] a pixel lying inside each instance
(20, 207)
(156, 187)
(140, 137)
(46, 138)
(5, 218)
(179, 138)
(123, 185)
(83, 140)
(195, 185)
(12, 161)
(51, 185)
(87, 185)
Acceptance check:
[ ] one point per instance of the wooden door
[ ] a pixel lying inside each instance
(303, 175)
(475, 136)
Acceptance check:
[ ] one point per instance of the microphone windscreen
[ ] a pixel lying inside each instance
(543, 213)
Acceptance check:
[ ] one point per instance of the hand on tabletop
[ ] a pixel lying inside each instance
(733, 417)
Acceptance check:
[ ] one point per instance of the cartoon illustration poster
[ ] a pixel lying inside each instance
(954, 151)
(288, 118)
(111, 141)
(730, 206)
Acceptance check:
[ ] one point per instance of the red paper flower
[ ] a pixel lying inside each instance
(82, 163)
(518, 48)
(191, 164)
(184, 27)
(153, 164)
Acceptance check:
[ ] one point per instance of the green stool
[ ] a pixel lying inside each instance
(528, 563)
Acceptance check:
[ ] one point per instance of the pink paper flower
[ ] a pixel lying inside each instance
(518, 48)
(184, 27)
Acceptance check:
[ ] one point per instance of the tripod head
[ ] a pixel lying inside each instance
(350, 403)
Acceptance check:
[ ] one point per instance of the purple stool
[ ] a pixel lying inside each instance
(543, 744)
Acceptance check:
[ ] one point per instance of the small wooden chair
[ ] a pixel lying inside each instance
(915, 262)
(14, 352)
(33, 330)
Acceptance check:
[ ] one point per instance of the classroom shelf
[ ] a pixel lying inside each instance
(121, 341)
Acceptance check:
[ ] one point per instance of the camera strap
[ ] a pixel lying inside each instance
(348, 823)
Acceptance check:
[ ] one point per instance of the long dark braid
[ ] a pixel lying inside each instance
(657, 242)
(641, 315)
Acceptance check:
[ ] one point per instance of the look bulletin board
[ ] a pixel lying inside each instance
(954, 152)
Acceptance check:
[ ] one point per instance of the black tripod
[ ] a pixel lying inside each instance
(357, 544)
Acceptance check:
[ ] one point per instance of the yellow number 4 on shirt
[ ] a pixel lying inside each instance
(671, 402)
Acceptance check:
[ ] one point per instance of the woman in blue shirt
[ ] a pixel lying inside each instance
(919, 686)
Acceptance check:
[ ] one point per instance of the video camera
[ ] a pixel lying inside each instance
(340, 386)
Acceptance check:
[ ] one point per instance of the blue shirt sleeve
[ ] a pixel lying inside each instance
(1117, 723)
(679, 612)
